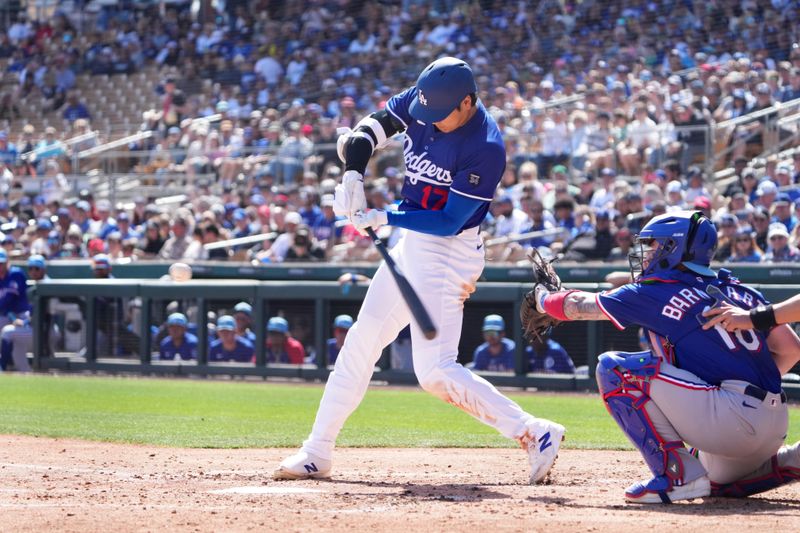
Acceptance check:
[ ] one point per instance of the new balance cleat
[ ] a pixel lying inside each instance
(661, 490)
(542, 443)
(303, 465)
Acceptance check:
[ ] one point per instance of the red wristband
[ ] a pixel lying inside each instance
(554, 304)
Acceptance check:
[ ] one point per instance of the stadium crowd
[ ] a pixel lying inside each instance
(606, 123)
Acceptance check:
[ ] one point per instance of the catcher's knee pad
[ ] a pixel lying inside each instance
(624, 381)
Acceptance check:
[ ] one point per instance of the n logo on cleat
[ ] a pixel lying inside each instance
(544, 442)
(311, 467)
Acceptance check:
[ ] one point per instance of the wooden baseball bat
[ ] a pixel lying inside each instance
(411, 297)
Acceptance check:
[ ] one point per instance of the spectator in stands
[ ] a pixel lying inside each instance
(48, 147)
(765, 194)
(8, 151)
(152, 241)
(792, 91)
(9, 108)
(641, 139)
(780, 250)
(624, 241)
(728, 228)
(509, 220)
(554, 133)
(745, 249)
(782, 211)
(281, 346)
(75, 109)
(496, 354)
(175, 247)
(341, 325)
(549, 357)
(761, 222)
(323, 228)
(304, 248)
(180, 343)
(40, 244)
(294, 149)
(284, 241)
(229, 346)
(105, 223)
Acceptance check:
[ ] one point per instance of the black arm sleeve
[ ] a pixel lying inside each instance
(359, 149)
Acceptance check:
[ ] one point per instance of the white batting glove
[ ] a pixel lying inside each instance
(540, 292)
(344, 135)
(348, 196)
(374, 218)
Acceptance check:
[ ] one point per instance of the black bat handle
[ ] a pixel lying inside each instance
(411, 297)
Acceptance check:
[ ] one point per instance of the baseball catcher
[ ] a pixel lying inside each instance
(716, 391)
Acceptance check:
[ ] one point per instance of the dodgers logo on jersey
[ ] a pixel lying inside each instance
(419, 168)
(474, 179)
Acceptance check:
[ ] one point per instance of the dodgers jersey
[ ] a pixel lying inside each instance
(241, 353)
(14, 293)
(504, 361)
(468, 161)
(186, 351)
(669, 306)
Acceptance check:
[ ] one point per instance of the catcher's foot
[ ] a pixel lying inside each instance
(303, 465)
(542, 442)
(660, 490)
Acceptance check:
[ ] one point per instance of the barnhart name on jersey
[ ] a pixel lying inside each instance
(685, 299)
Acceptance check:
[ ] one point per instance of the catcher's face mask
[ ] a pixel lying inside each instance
(643, 254)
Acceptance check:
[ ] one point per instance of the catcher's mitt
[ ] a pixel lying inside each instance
(535, 324)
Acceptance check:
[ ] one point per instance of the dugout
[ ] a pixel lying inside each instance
(309, 306)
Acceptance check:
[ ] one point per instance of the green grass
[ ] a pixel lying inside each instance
(197, 413)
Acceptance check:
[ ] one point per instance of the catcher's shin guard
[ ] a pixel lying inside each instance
(624, 382)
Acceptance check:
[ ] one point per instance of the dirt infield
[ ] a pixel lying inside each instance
(66, 485)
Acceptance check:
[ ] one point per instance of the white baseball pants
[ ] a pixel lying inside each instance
(439, 269)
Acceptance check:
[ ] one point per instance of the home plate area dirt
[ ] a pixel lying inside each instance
(67, 485)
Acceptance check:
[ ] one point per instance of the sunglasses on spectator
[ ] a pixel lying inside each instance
(776, 237)
(743, 239)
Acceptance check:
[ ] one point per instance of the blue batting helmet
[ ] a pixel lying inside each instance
(685, 238)
(440, 89)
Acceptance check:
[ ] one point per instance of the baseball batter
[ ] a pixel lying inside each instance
(713, 390)
(454, 158)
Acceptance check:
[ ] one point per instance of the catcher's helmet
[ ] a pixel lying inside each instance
(685, 238)
(441, 86)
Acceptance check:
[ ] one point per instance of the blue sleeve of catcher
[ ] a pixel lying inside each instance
(444, 223)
